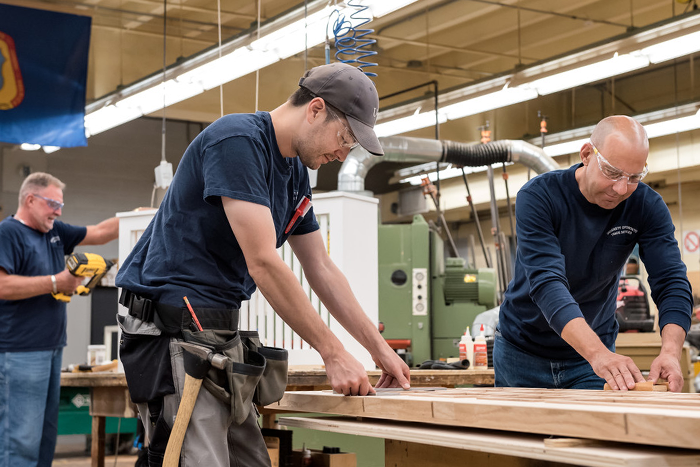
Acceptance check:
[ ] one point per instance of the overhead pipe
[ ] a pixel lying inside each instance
(351, 176)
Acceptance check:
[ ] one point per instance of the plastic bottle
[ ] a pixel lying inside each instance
(481, 357)
(306, 456)
(466, 348)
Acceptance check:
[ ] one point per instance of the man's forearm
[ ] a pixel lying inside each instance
(14, 287)
(579, 335)
(672, 338)
(332, 287)
(282, 290)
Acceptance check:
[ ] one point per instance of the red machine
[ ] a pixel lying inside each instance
(633, 313)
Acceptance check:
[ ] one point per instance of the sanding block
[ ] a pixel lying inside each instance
(659, 386)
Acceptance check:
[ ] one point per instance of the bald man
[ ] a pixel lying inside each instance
(576, 228)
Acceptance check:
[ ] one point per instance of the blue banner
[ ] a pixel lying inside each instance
(43, 71)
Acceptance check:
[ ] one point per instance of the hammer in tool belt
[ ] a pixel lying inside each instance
(198, 360)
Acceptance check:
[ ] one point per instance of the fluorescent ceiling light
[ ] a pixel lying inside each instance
(108, 117)
(673, 48)
(670, 127)
(406, 124)
(250, 55)
(624, 55)
(50, 149)
(614, 66)
(569, 147)
(462, 109)
(451, 172)
(29, 147)
(494, 100)
(654, 130)
(383, 7)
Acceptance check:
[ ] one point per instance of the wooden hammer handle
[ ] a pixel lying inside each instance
(184, 412)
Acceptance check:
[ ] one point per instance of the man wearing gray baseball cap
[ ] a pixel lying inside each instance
(241, 191)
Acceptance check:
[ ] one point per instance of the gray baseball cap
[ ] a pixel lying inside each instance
(349, 90)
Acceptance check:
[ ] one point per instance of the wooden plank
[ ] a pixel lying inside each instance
(316, 379)
(672, 420)
(492, 445)
(88, 380)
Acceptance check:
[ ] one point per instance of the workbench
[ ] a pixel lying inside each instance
(512, 426)
(109, 395)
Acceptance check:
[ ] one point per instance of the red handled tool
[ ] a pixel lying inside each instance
(301, 210)
(194, 317)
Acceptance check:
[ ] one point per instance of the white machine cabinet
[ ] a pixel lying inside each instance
(349, 228)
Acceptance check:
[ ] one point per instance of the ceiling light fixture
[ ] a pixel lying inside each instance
(632, 52)
(660, 123)
(279, 39)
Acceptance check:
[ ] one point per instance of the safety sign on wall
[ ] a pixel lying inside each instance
(691, 241)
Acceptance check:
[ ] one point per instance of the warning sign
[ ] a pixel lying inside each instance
(691, 241)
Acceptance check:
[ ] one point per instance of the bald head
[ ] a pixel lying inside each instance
(620, 126)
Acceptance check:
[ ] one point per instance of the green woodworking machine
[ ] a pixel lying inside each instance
(426, 301)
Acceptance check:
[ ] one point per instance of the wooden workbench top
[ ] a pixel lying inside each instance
(653, 418)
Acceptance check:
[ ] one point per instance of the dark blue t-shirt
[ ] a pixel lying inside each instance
(569, 260)
(37, 323)
(189, 247)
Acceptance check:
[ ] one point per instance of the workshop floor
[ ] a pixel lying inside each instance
(71, 452)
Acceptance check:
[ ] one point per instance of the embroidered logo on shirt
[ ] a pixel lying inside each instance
(55, 239)
(622, 230)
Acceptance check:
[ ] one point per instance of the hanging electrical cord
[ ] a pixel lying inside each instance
(352, 45)
(162, 130)
(221, 86)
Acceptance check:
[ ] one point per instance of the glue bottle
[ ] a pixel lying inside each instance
(481, 358)
(466, 348)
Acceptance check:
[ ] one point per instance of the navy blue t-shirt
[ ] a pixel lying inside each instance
(37, 323)
(189, 247)
(569, 260)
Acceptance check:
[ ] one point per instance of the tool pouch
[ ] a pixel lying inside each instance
(236, 385)
(145, 354)
(274, 379)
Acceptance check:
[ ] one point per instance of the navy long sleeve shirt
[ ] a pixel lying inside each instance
(569, 260)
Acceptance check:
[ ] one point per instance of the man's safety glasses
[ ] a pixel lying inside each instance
(53, 204)
(345, 137)
(613, 173)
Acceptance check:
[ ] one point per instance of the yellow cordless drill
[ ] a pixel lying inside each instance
(85, 265)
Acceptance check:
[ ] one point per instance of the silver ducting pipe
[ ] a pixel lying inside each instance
(406, 149)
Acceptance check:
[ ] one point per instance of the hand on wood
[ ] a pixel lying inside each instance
(669, 368)
(347, 376)
(619, 371)
(395, 372)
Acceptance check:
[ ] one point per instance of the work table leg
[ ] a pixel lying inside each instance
(97, 450)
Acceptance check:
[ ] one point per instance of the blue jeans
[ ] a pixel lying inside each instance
(515, 367)
(30, 388)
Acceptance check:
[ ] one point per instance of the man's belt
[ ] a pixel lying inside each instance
(144, 308)
(171, 319)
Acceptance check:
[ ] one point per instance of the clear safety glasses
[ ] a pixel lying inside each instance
(53, 204)
(613, 173)
(345, 137)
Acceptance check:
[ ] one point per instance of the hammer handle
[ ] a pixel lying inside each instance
(184, 412)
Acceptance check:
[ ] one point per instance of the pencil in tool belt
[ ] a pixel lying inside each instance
(194, 317)
(300, 211)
